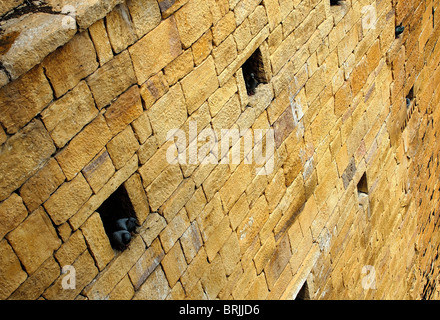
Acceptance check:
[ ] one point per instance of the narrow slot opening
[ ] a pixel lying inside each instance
(410, 98)
(119, 218)
(253, 72)
(362, 186)
(304, 292)
(336, 2)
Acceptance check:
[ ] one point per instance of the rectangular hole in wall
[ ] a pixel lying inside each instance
(254, 72)
(304, 292)
(114, 213)
(362, 186)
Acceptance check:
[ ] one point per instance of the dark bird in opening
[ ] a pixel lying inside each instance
(336, 2)
(399, 30)
(408, 102)
(251, 84)
(120, 239)
(128, 224)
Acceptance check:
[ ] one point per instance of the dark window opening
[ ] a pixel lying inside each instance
(410, 98)
(362, 186)
(336, 2)
(304, 293)
(119, 218)
(399, 30)
(253, 72)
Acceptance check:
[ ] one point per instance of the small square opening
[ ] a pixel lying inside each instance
(304, 292)
(115, 212)
(254, 72)
(362, 186)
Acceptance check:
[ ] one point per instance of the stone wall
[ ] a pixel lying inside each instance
(344, 205)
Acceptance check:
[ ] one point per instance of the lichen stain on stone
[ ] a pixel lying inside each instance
(7, 40)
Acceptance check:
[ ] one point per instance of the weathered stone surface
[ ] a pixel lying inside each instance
(154, 88)
(122, 147)
(9, 5)
(23, 99)
(84, 147)
(68, 199)
(99, 36)
(105, 86)
(202, 48)
(145, 15)
(155, 50)
(34, 240)
(164, 185)
(12, 213)
(68, 115)
(71, 249)
(224, 54)
(97, 240)
(168, 113)
(137, 196)
(193, 19)
(30, 39)
(124, 110)
(142, 127)
(168, 7)
(11, 273)
(174, 264)
(199, 85)
(119, 28)
(223, 28)
(22, 155)
(38, 188)
(99, 171)
(179, 68)
(154, 288)
(69, 64)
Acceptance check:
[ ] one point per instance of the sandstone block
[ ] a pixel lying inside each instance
(30, 38)
(155, 50)
(215, 278)
(99, 171)
(224, 54)
(34, 240)
(223, 28)
(217, 238)
(196, 204)
(11, 273)
(23, 99)
(123, 290)
(7, 6)
(145, 15)
(39, 187)
(68, 115)
(179, 68)
(243, 9)
(137, 196)
(222, 95)
(202, 48)
(154, 288)
(178, 199)
(97, 240)
(104, 83)
(191, 242)
(84, 147)
(12, 213)
(153, 89)
(174, 230)
(273, 13)
(174, 264)
(168, 7)
(99, 36)
(119, 28)
(164, 185)
(278, 261)
(122, 147)
(71, 249)
(193, 20)
(22, 155)
(152, 227)
(69, 64)
(142, 128)
(168, 113)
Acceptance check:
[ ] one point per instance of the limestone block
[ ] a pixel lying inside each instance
(155, 50)
(142, 128)
(154, 288)
(84, 147)
(179, 68)
(168, 113)
(69, 64)
(137, 196)
(223, 28)
(11, 273)
(30, 38)
(224, 54)
(12, 213)
(35, 285)
(68, 115)
(71, 249)
(99, 171)
(97, 240)
(99, 36)
(34, 240)
(145, 15)
(122, 147)
(119, 28)
(68, 199)
(146, 264)
(154, 88)
(174, 264)
(38, 188)
(23, 99)
(193, 20)
(22, 155)
(105, 86)
(202, 48)
(164, 185)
